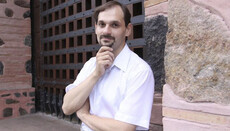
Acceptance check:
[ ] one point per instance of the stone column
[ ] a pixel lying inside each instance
(16, 92)
(155, 29)
(197, 66)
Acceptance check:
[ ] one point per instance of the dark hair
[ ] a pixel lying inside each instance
(110, 4)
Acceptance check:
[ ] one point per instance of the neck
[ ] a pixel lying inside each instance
(117, 52)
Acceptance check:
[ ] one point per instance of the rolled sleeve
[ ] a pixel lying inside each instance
(137, 104)
(83, 74)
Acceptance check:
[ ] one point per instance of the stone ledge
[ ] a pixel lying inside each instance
(198, 117)
(181, 125)
(161, 8)
(173, 101)
(148, 3)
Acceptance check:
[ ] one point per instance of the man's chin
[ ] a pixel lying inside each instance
(106, 44)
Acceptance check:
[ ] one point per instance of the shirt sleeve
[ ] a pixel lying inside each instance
(83, 74)
(137, 105)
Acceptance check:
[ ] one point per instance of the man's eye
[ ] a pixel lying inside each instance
(115, 25)
(101, 24)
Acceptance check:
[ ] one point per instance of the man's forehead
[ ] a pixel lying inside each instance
(111, 14)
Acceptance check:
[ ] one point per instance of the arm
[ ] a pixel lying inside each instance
(77, 96)
(97, 123)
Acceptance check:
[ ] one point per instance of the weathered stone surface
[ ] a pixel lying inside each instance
(28, 66)
(5, 95)
(1, 68)
(11, 101)
(155, 30)
(7, 112)
(32, 110)
(9, 12)
(32, 94)
(154, 127)
(197, 54)
(22, 111)
(17, 94)
(3, 1)
(22, 3)
(24, 94)
(1, 42)
(26, 14)
(28, 40)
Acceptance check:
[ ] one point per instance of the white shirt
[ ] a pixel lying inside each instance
(124, 92)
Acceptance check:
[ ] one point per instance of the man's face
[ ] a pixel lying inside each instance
(111, 29)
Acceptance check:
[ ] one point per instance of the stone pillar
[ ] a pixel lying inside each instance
(197, 66)
(155, 29)
(16, 92)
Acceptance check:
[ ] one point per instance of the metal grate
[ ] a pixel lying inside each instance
(68, 41)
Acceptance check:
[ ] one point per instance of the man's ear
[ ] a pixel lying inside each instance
(128, 29)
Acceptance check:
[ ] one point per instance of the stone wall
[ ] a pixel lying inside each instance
(155, 29)
(15, 58)
(197, 66)
(16, 102)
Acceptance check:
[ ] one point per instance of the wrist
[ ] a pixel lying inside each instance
(83, 116)
(96, 75)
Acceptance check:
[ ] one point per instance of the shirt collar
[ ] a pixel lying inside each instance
(122, 60)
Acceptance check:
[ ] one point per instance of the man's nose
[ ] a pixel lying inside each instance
(107, 30)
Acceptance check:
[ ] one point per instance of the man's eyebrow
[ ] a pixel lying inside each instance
(115, 21)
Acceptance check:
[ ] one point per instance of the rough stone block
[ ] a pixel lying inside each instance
(22, 3)
(5, 95)
(32, 94)
(3, 1)
(155, 30)
(24, 94)
(11, 101)
(17, 94)
(197, 53)
(26, 14)
(32, 110)
(28, 66)
(1, 42)
(9, 12)
(22, 111)
(7, 112)
(28, 41)
(1, 68)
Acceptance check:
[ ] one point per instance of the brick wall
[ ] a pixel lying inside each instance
(16, 93)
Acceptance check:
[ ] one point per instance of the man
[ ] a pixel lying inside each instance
(114, 90)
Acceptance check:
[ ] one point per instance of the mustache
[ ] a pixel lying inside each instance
(107, 37)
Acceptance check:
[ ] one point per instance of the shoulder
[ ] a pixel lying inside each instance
(90, 63)
(138, 63)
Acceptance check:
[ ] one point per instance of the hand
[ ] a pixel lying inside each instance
(105, 58)
(84, 110)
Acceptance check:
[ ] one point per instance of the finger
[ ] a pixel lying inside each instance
(105, 48)
(106, 53)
